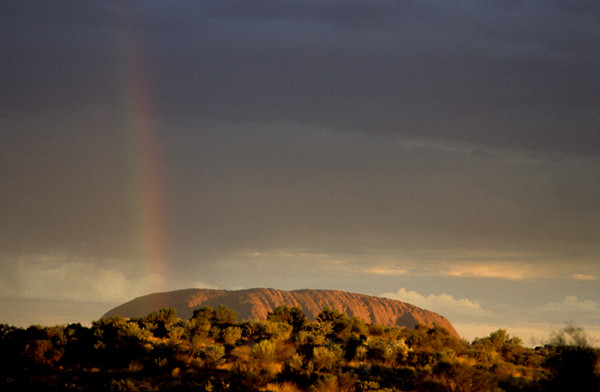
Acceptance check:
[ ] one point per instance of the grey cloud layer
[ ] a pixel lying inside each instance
(514, 74)
(382, 136)
(275, 186)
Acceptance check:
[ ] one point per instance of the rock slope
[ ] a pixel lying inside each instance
(255, 304)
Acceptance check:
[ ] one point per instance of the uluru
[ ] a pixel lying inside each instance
(256, 303)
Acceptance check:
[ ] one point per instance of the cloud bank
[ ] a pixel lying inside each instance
(454, 309)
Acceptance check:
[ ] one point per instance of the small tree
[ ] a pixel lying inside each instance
(271, 329)
(225, 316)
(292, 316)
(206, 313)
(160, 322)
(340, 322)
(498, 344)
(574, 362)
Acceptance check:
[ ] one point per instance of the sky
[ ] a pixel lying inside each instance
(444, 153)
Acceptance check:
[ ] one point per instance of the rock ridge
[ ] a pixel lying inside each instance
(256, 303)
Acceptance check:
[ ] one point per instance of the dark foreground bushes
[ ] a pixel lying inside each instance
(212, 351)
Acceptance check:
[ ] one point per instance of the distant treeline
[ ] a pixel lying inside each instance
(212, 351)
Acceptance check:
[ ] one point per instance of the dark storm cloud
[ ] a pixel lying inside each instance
(282, 124)
(501, 73)
(362, 145)
(512, 75)
(272, 186)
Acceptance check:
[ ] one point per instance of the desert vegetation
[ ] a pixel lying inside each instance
(213, 351)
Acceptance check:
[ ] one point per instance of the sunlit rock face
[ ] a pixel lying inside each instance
(255, 304)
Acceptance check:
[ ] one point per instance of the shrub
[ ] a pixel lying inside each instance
(225, 316)
(260, 369)
(574, 364)
(264, 351)
(213, 355)
(271, 329)
(340, 323)
(334, 383)
(377, 350)
(206, 313)
(292, 316)
(231, 335)
(311, 338)
(376, 329)
(327, 358)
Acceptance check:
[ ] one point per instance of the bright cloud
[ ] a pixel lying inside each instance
(509, 271)
(444, 304)
(61, 278)
(386, 271)
(583, 277)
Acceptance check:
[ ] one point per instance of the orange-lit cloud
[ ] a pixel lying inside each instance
(583, 277)
(509, 271)
(386, 271)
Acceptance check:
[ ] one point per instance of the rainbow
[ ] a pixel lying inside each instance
(146, 163)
